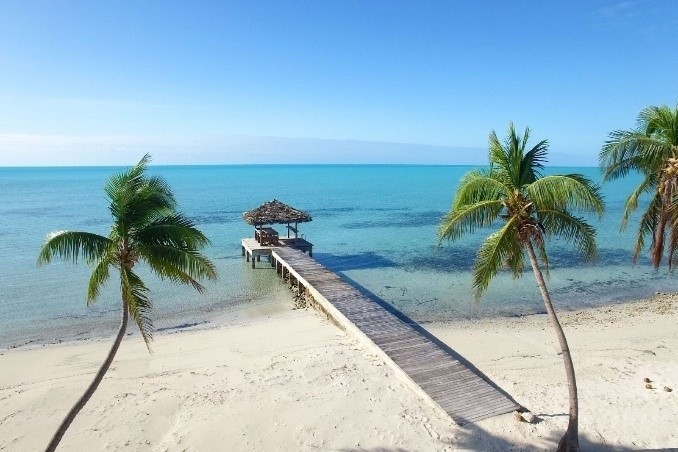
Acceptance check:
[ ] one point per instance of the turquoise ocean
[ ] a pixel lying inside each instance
(373, 224)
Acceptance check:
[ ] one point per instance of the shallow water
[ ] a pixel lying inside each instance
(374, 224)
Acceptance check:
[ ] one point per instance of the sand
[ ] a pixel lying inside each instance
(290, 380)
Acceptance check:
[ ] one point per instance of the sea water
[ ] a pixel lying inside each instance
(375, 225)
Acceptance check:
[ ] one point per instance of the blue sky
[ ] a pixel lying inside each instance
(97, 82)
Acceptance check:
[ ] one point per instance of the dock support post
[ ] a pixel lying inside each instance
(248, 257)
(253, 261)
(243, 250)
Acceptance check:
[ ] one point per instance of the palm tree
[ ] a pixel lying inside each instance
(652, 151)
(530, 207)
(146, 228)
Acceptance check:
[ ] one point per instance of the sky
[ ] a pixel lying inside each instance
(102, 83)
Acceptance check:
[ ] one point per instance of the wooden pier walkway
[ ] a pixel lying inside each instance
(432, 369)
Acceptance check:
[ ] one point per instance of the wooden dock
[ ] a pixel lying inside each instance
(431, 368)
(253, 250)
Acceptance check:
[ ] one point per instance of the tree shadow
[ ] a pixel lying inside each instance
(475, 438)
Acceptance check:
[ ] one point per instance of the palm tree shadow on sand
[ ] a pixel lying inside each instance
(472, 437)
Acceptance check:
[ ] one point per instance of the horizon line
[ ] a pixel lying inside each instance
(167, 165)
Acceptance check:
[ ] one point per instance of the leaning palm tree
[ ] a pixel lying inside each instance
(530, 207)
(651, 150)
(146, 228)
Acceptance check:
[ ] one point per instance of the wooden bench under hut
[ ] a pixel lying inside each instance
(266, 238)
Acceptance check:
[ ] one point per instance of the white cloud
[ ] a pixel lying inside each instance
(28, 150)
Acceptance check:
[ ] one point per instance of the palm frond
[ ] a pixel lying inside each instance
(497, 156)
(509, 159)
(515, 261)
(134, 294)
(660, 122)
(171, 230)
(99, 276)
(648, 185)
(644, 149)
(469, 218)
(514, 148)
(73, 245)
(152, 199)
(647, 225)
(176, 264)
(477, 186)
(532, 165)
(498, 248)
(570, 192)
(627, 151)
(136, 200)
(575, 230)
(121, 185)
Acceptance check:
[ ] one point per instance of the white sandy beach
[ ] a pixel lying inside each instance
(290, 380)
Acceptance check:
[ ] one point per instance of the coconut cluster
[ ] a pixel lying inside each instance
(671, 167)
(669, 176)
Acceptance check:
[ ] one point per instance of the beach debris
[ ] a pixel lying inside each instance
(525, 417)
(529, 417)
(667, 389)
(649, 386)
(647, 380)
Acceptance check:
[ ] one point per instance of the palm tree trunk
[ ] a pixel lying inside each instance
(569, 441)
(93, 386)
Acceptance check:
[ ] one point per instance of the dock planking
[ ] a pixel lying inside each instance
(431, 368)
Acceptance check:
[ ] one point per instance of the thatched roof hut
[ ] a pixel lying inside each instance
(275, 212)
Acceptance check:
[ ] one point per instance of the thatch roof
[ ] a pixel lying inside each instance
(275, 212)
